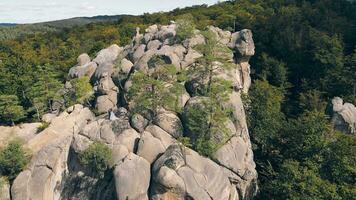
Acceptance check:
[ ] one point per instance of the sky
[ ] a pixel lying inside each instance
(30, 11)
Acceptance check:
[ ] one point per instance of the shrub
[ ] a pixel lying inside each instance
(13, 159)
(97, 157)
(82, 91)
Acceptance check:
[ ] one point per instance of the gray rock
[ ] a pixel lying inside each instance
(138, 122)
(149, 147)
(119, 152)
(243, 43)
(132, 178)
(48, 117)
(40, 180)
(105, 103)
(190, 58)
(344, 116)
(165, 138)
(138, 53)
(129, 138)
(170, 123)
(104, 69)
(179, 164)
(166, 32)
(154, 44)
(79, 71)
(195, 40)
(83, 59)
(126, 65)
(106, 85)
(108, 55)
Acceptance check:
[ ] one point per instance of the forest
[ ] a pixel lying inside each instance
(305, 56)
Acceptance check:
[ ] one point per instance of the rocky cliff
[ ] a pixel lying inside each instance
(148, 161)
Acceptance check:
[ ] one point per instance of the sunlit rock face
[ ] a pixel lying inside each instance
(148, 162)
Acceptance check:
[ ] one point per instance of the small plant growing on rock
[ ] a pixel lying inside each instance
(13, 159)
(97, 158)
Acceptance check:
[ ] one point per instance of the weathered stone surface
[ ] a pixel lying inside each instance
(119, 152)
(83, 59)
(138, 122)
(106, 85)
(344, 116)
(149, 147)
(78, 71)
(169, 122)
(25, 132)
(107, 102)
(154, 44)
(40, 180)
(48, 117)
(139, 53)
(243, 43)
(126, 65)
(203, 179)
(129, 138)
(132, 178)
(190, 58)
(165, 138)
(108, 55)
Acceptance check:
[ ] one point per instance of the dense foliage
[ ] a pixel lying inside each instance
(97, 157)
(305, 55)
(13, 159)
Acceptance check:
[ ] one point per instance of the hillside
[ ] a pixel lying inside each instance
(299, 109)
(12, 31)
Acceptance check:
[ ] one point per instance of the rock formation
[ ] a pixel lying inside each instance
(148, 162)
(343, 116)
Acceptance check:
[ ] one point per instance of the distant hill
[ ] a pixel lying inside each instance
(12, 30)
(79, 21)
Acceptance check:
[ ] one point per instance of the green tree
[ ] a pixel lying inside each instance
(207, 122)
(81, 92)
(185, 26)
(13, 159)
(10, 109)
(97, 157)
(44, 90)
(157, 89)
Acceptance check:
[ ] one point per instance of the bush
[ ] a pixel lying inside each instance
(13, 159)
(97, 157)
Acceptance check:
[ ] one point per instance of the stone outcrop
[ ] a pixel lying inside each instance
(343, 116)
(148, 161)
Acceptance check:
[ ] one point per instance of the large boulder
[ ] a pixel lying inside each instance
(243, 43)
(41, 179)
(169, 122)
(149, 147)
(179, 165)
(105, 103)
(138, 122)
(344, 116)
(108, 55)
(132, 178)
